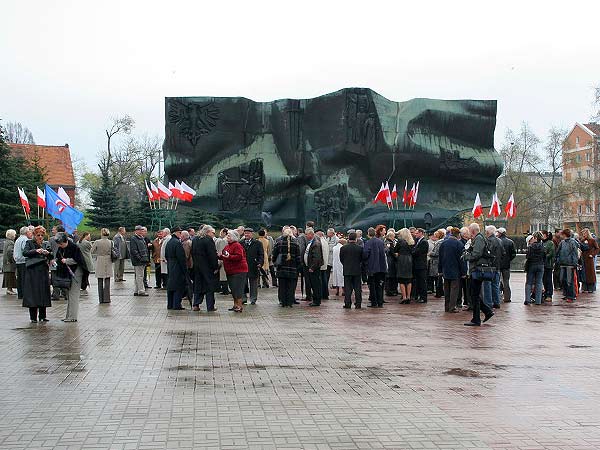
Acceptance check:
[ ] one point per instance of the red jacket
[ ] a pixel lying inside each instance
(236, 261)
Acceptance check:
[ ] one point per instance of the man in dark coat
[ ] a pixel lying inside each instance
(313, 260)
(177, 270)
(351, 259)
(205, 268)
(375, 266)
(504, 266)
(140, 256)
(450, 265)
(420, 251)
(255, 255)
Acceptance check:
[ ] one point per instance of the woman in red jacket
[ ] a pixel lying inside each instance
(236, 268)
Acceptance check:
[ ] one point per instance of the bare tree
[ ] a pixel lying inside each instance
(596, 103)
(18, 134)
(118, 125)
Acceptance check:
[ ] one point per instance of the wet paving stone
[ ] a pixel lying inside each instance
(132, 375)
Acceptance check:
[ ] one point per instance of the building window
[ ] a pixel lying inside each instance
(578, 158)
(579, 174)
(588, 173)
(588, 209)
(577, 142)
(579, 209)
(588, 157)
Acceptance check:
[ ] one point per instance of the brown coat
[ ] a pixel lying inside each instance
(588, 260)
(102, 249)
(156, 244)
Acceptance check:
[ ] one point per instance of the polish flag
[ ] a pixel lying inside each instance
(187, 192)
(155, 192)
(394, 193)
(388, 195)
(405, 194)
(511, 209)
(477, 208)
(411, 195)
(495, 210)
(176, 190)
(163, 191)
(41, 198)
(24, 200)
(380, 197)
(62, 194)
(415, 195)
(149, 192)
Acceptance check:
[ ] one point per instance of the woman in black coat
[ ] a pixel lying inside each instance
(36, 279)
(391, 278)
(70, 265)
(286, 257)
(404, 263)
(206, 268)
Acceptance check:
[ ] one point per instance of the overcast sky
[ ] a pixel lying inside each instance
(67, 66)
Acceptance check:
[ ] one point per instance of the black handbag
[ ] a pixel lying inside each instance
(61, 282)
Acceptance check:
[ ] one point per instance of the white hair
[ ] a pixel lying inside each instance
(474, 228)
(185, 234)
(24, 230)
(11, 234)
(309, 230)
(234, 235)
(287, 231)
(490, 230)
(207, 229)
(166, 231)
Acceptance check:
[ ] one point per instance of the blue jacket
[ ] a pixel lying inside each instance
(374, 256)
(450, 262)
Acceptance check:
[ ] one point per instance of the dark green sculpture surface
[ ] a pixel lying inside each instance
(287, 161)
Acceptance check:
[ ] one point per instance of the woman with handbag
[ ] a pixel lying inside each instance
(236, 268)
(36, 277)
(69, 273)
(9, 266)
(534, 266)
(105, 256)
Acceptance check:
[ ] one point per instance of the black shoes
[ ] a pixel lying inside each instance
(496, 306)
(472, 324)
(253, 303)
(422, 301)
(314, 304)
(357, 307)
(347, 306)
(405, 302)
(488, 317)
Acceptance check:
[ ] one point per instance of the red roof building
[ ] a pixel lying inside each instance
(54, 160)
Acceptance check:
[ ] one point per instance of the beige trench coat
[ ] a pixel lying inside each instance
(101, 248)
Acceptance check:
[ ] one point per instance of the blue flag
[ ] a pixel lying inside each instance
(58, 208)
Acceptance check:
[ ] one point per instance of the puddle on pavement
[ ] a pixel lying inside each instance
(467, 373)
(579, 346)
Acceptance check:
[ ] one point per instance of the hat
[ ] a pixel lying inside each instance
(248, 229)
(501, 230)
(175, 229)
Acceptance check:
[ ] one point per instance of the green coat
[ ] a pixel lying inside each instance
(550, 252)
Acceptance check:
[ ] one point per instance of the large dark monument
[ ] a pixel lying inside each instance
(324, 158)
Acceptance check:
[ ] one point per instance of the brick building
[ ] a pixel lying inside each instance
(581, 166)
(54, 160)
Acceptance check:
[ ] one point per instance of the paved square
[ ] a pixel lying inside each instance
(131, 375)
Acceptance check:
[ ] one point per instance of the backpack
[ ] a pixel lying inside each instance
(488, 254)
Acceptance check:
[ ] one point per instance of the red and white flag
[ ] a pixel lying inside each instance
(62, 194)
(163, 191)
(187, 192)
(41, 198)
(149, 192)
(405, 193)
(495, 210)
(388, 195)
(176, 190)
(511, 208)
(415, 195)
(155, 192)
(411, 195)
(380, 197)
(394, 193)
(477, 208)
(24, 200)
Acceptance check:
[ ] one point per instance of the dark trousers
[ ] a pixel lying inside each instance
(224, 287)
(210, 299)
(324, 285)
(391, 286)
(103, 290)
(313, 286)
(451, 290)
(376, 282)
(353, 283)
(252, 288)
(157, 275)
(273, 277)
(464, 294)
(421, 283)
(20, 275)
(548, 282)
(165, 279)
(477, 300)
(286, 289)
(33, 313)
(174, 299)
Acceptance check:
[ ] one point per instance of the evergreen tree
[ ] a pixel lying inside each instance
(105, 210)
(16, 172)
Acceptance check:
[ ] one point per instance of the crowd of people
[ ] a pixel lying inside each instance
(469, 267)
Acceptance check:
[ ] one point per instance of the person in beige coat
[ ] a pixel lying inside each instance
(102, 248)
(220, 244)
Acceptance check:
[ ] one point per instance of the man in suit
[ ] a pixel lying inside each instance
(302, 242)
(313, 260)
(450, 265)
(351, 259)
(254, 257)
(205, 268)
(177, 270)
(420, 251)
(140, 257)
(120, 245)
(375, 266)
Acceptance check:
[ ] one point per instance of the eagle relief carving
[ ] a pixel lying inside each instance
(193, 120)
